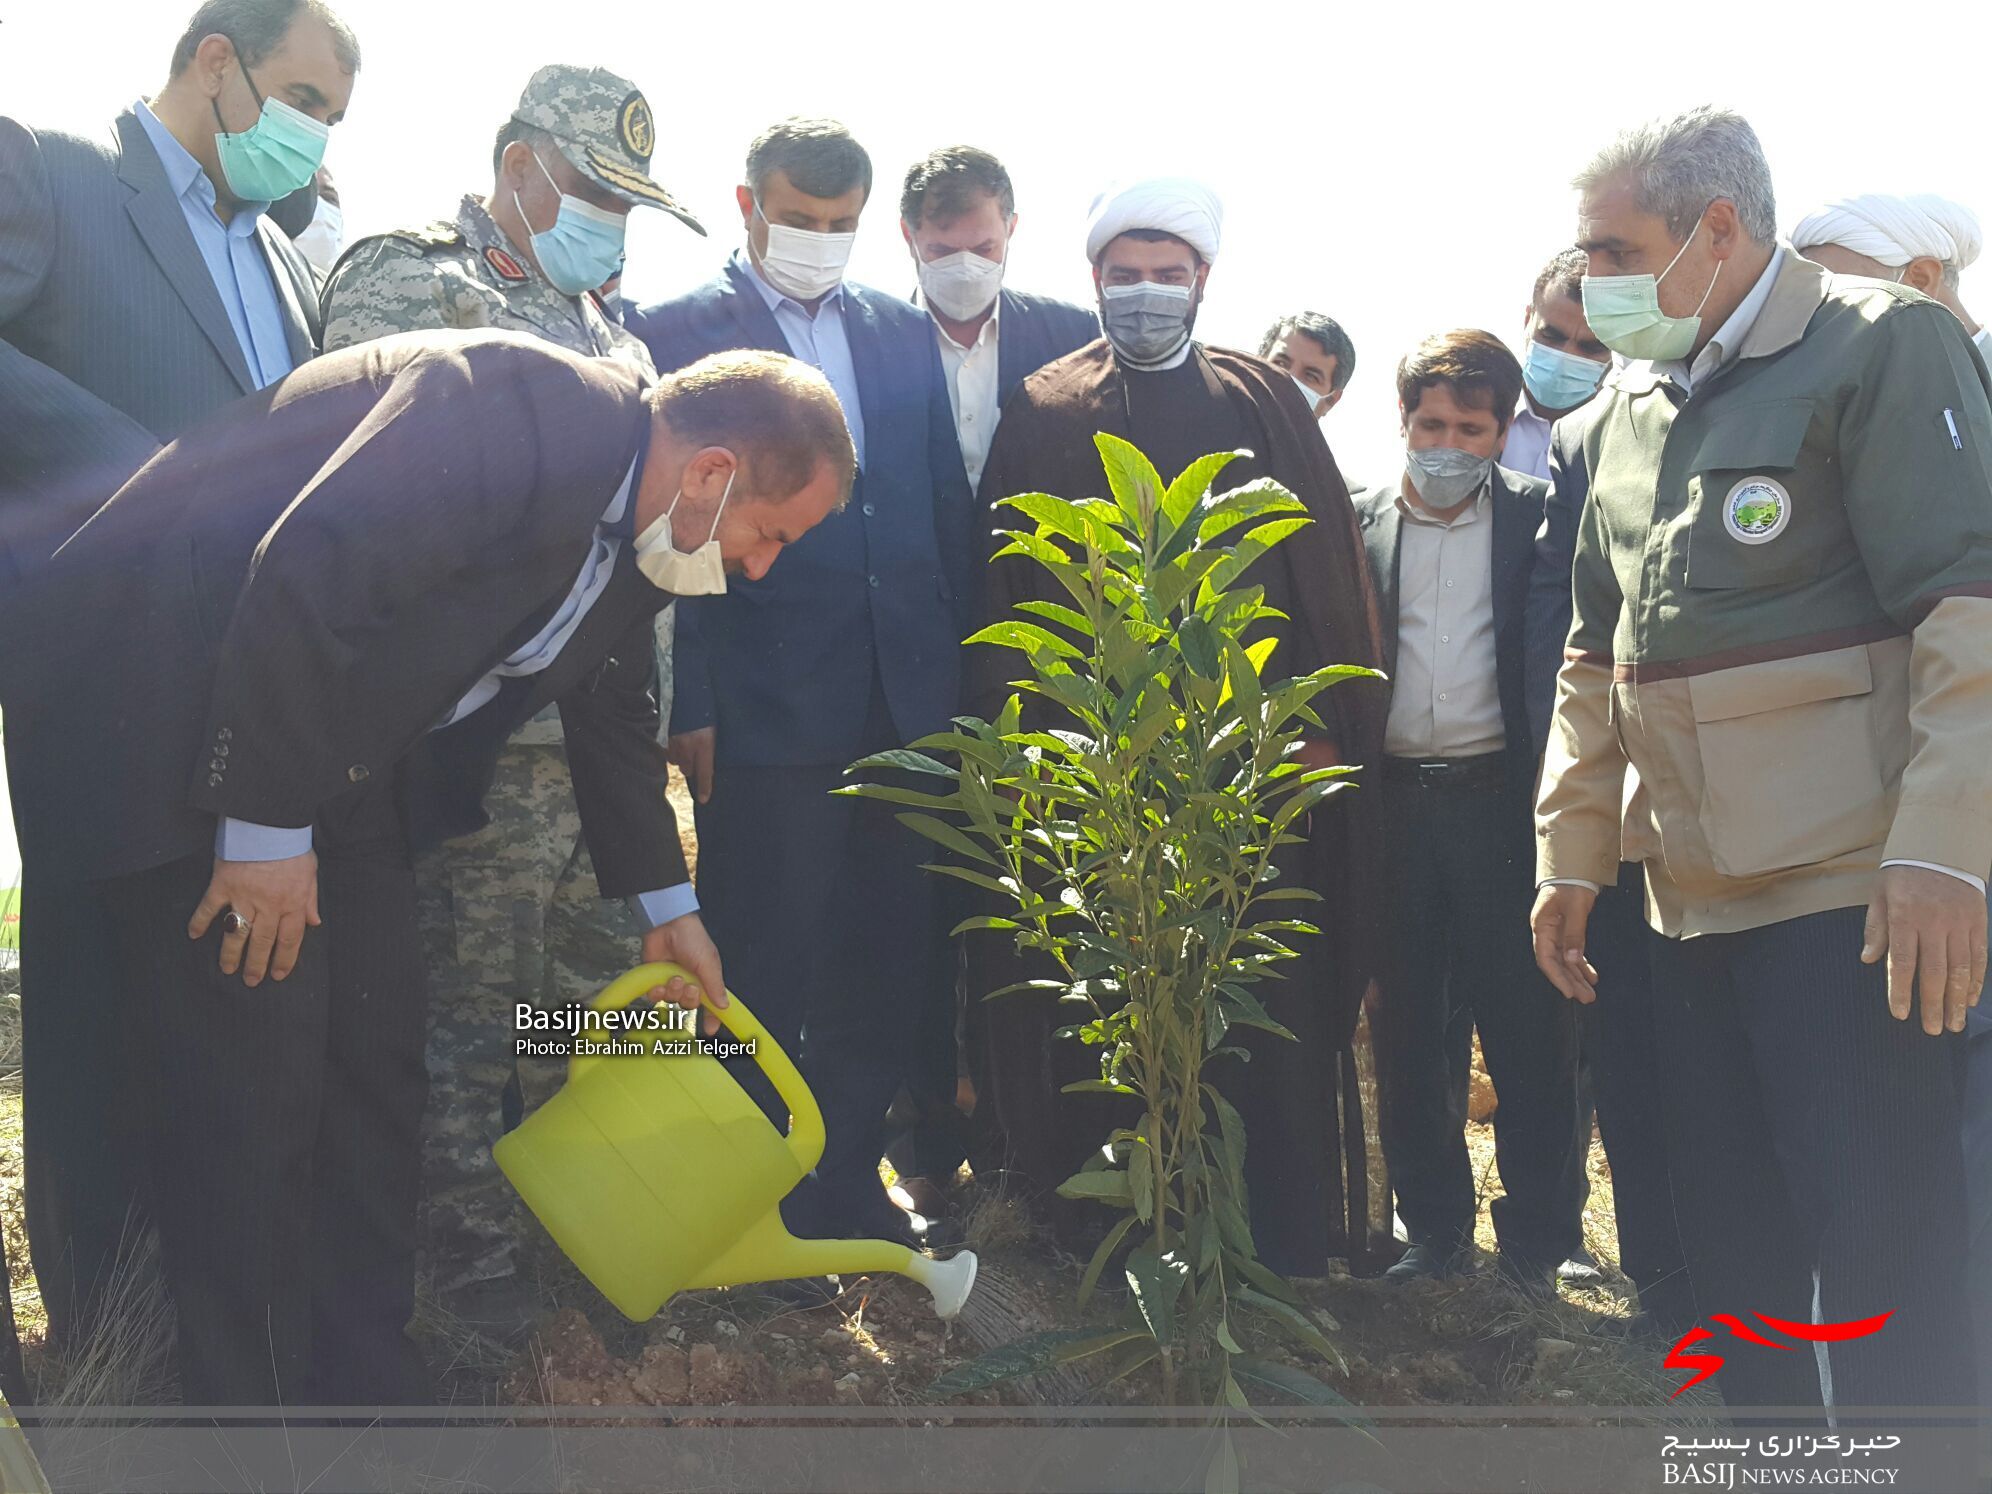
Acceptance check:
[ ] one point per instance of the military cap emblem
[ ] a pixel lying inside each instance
(639, 130)
(605, 128)
(1756, 510)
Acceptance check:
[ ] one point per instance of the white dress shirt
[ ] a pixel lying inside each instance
(1445, 699)
(241, 840)
(1720, 350)
(972, 387)
(1528, 444)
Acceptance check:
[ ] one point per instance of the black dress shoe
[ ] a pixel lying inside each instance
(1426, 1262)
(1582, 1269)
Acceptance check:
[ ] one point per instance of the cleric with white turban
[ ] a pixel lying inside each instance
(1174, 205)
(1920, 241)
(1152, 383)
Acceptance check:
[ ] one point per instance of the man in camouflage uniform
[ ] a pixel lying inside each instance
(511, 913)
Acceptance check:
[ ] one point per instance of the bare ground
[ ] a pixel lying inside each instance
(1471, 1341)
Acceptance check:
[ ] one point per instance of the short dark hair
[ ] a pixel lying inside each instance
(258, 28)
(1476, 365)
(512, 131)
(945, 185)
(1565, 273)
(1151, 236)
(776, 413)
(818, 155)
(1327, 334)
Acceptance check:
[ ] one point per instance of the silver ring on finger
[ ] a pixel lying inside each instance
(233, 922)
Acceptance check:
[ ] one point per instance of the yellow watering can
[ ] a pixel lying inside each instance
(656, 1172)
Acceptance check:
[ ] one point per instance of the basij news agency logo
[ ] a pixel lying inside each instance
(1706, 1363)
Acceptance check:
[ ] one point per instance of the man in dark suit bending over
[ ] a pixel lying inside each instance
(298, 670)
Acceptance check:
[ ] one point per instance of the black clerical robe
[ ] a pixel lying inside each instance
(1304, 1208)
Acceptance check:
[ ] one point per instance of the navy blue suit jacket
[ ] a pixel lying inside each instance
(783, 666)
(1550, 603)
(1037, 330)
(1517, 507)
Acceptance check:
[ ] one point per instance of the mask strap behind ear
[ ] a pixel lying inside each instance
(1711, 286)
(722, 501)
(1684, 247)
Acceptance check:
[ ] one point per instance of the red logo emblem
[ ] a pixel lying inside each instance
(507, 267)
(1813, 1333)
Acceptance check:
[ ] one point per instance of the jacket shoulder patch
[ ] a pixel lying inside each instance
(503, 265)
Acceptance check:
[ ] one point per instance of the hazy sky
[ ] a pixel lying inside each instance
(1401, 167)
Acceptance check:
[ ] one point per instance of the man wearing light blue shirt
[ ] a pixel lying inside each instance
(142, 288)
(233, 254)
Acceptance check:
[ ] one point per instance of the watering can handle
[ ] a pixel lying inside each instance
(805, 1137)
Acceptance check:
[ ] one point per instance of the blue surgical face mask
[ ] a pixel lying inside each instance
(1559, 380)
(584, 248)
(274, 157)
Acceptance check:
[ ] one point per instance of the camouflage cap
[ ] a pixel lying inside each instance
(605, 129)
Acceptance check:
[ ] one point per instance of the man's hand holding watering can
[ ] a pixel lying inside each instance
(684, 941)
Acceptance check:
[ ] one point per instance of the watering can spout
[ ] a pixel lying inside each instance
(654, 1171)
(769, 1252)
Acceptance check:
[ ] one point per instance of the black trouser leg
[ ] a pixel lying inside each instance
(367, 1178)
(888, 976)
(827, 926)
(1978, 1178)
(1286, 1092)
(939, 1137)
(78, 1136)
(1811, 1132)
(764, 892)
(1617, 1032)
(1423, 1116)
(283, 1147)
(232, 1098)
(1457, 891)
(1528, 1032)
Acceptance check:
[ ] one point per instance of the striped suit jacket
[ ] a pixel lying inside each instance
(113, 338)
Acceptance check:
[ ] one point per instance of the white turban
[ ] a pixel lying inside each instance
(1169, 204)
(1894, 230)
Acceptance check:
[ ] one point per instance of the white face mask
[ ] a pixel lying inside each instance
(961, 286)
(802, 263)
(323, 237)
(699, 574)
(1311, 395)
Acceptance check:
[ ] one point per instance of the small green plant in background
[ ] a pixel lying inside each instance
(1132, 846)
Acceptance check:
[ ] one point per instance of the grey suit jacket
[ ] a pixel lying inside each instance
(113, 338)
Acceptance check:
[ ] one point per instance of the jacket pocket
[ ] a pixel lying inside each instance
(1766, 511)
(1791, 774)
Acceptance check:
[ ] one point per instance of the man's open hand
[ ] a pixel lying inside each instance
(690, 753)
(1561, 913)
(684, 941)
(1931, 926)
(278, 898)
